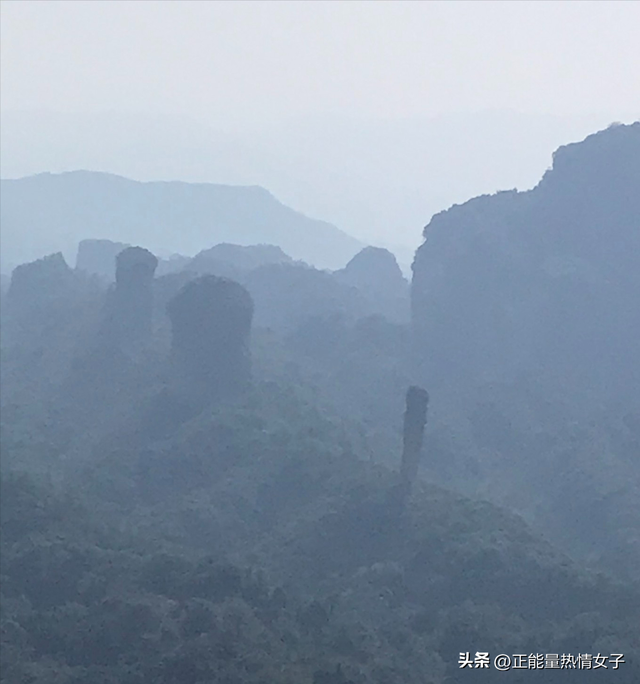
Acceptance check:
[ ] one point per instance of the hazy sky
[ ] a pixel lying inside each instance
(372, 115)
(256, 60)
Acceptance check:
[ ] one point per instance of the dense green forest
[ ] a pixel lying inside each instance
(238, 468)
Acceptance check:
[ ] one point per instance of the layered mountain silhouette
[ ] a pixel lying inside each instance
(53, 212)
(207, 476)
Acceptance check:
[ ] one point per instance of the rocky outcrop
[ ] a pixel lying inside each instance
(129, 308)
(415, 419)
(46, 314)
(542, 282)
(373, 268)
(211, 327)
(526, 321)
(37, 291)
(287, 295)
(375, 273)
(98, 257)
(232, 261)
(41, 278)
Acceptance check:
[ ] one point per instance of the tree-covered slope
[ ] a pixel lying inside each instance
(202, 478)
(351, 586)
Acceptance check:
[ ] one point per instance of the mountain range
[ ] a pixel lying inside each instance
(54, 212)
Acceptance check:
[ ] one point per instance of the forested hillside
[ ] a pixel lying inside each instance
(239, 468)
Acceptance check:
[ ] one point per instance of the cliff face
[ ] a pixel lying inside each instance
(129, 307)
(526, 321)
(544, 281)
(98, 257)
(39, 295)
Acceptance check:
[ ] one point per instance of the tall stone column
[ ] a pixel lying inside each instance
(129, 308)
(415, 419)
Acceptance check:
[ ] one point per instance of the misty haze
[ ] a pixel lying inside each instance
(320, 355)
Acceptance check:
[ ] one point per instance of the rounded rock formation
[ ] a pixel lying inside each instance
(211, 326)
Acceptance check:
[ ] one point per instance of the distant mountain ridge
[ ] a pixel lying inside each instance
(52, 212)
(368, 175)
